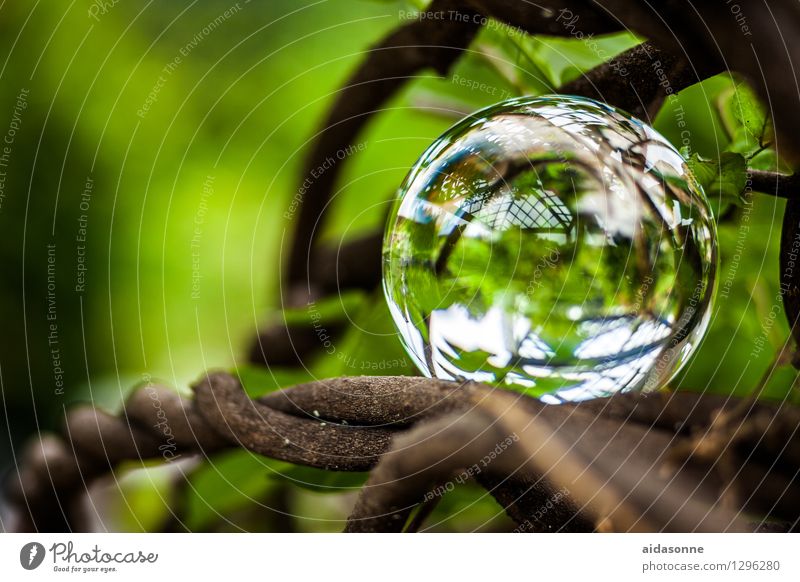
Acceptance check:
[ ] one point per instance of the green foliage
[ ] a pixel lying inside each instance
(564, 59)
(230, 483)
(241, 107)
(223, 485)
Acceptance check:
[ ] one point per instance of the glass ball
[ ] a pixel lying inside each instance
(555, 245)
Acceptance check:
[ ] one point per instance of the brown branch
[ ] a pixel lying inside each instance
(386, 400)
(627, 462)
(764, 51)
(158, 423)
(357, 264)
(171, 416)
(636, 81)
(543, 17)
(700, 44)
(768, 57)
(755, 451)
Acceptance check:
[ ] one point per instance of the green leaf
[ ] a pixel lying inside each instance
(723, 178)
(332, 308)
(564, 59)
(468, 507)
(225, 483)
(745, 120)
(259, 380)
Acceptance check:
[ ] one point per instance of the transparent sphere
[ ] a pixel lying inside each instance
(555, 245)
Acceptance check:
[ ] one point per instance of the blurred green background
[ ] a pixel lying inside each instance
(189, 120)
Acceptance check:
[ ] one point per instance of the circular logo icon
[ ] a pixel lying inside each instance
(31, 555)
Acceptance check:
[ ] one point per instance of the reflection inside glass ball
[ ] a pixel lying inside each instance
(552, 244)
